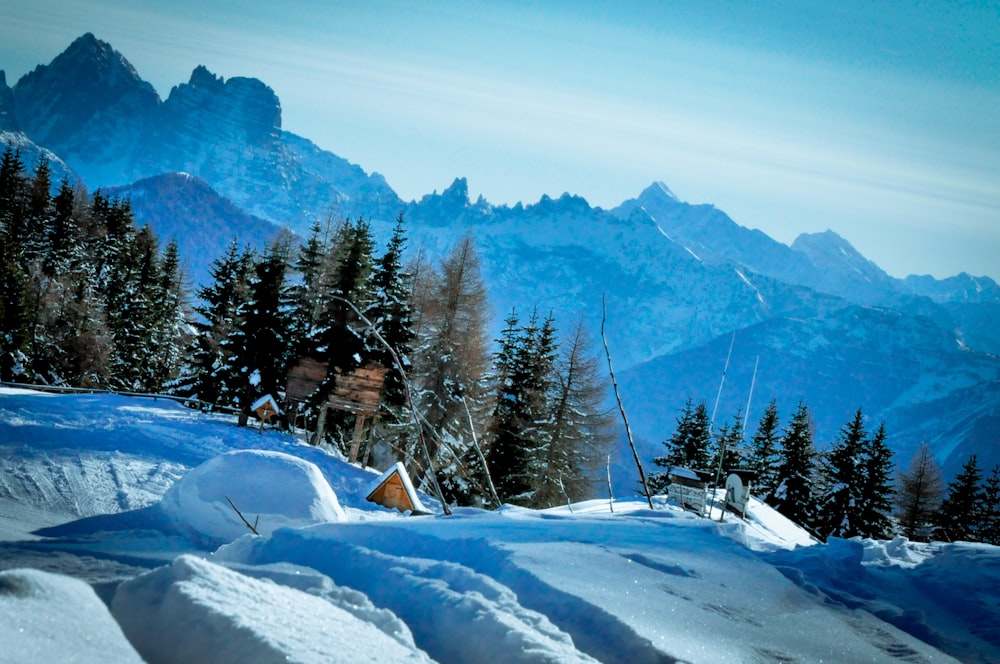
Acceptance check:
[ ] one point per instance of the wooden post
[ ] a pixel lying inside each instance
(320, 425)
(359, 429)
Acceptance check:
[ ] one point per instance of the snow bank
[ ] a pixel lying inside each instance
(52, 618)
(196, 611)
(273, 489)
(456, 614)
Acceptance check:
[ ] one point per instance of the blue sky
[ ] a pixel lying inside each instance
(878, 120)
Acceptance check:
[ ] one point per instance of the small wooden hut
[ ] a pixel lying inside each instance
(393, 489)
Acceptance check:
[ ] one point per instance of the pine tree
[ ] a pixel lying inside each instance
(763, 456)
(960, 514)
(15, 332)
(729, 448)
(794, 496)
(508, 453)
(841, 477)
(990, 527)
(687, 447)
(390, 313)
(919, 495)
(874, 502)
(13, 196)
(206, 376)
(38, 213)
(258, 349)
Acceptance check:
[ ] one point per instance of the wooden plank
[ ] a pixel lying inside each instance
(304, 378)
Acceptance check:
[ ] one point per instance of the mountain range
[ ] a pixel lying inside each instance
(682, 283)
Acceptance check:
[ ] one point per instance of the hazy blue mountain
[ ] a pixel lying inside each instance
(182, 207)
(91, 107)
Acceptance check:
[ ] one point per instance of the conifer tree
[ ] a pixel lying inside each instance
(876, 490)
(15, 332)
(794, 496)
(451, 359)
(688, 447)
(582, 427)
(390, 313)
(38, 213)
(13, 196)
(840, 478)
(507, 459)
(961, 513)
(730, 448)
(258, 349)
(219, 307)
(919, 495)
(990, 527)
(763, 456)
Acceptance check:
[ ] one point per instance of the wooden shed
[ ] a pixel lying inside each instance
(393, 489)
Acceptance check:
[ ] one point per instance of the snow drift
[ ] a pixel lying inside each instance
(272, 490)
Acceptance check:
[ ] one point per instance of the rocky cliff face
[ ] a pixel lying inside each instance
(89, 106)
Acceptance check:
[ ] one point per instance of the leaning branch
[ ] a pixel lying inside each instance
(621, 408)
(409, 400)
(253, 528)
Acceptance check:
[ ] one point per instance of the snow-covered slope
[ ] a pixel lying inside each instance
(576, 584)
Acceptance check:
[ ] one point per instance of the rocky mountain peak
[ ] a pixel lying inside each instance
(208, 107)
(202, 77)
(457, 192)
(88, 82)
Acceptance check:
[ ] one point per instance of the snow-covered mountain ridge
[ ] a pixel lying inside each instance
(679, 279)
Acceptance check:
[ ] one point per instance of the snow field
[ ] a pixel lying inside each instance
(337, 579)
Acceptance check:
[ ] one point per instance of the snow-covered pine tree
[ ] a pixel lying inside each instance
(507, 450)
(13, 196)
(841, 476)
(390, 313)
(763, 455)
(206, 377)
(794, 496)
(919, 495)
(688, 447)
(38, 214)
(315, 267)
(340, 337)
(874, 503)
(960, 515)
(258, 349)
(15, 332)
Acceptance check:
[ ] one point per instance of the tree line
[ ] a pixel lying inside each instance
(88, 299)
(850, 489)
